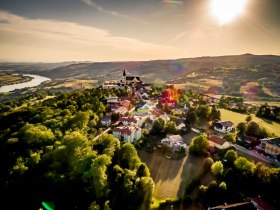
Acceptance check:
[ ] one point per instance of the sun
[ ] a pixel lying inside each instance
(225, 11)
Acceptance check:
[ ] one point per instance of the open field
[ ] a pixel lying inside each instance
(238, 117)
(270, 103)
(171, 176)
(74, 83)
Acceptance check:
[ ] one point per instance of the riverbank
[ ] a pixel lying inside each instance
(35, 81)
(12, 79)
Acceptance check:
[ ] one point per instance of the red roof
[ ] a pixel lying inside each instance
(128, 119)
(261, 204)
(216, 139)
(127, 130)
(157, 112)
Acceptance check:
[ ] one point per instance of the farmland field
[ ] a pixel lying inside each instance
(171, 176)
(238, 117)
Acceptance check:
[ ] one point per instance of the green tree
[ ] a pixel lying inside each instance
(37, 134)
(171, 127)
(217, 168)
(215, 114)
(191, 118)
(231, 155)
(242, 127)
(143, 170)
(199, 145)
(253, 129)
(248, 118)
(223, 186)
(203, 112)
(97, 176)
(231, 137)
(208, 162)
(244, 166)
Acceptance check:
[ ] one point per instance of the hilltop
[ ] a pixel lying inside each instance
(253, 76)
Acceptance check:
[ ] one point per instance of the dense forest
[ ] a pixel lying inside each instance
(48, 157)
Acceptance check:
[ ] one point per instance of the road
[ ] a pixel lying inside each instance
(256, 155)
(106, 131)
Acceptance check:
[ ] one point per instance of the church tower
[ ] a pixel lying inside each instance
(124, 77)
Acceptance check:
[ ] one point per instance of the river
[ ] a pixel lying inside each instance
(37, 80)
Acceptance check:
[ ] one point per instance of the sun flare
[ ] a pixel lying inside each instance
(225, 11)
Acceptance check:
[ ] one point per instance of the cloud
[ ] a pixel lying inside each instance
(111, 12)
(101, 9)
(179, 36)
(68, 40)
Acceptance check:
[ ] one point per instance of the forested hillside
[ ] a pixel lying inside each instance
(48, 155)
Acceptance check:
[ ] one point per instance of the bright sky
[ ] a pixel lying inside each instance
(119, 30)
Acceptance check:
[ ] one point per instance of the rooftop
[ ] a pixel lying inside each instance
(273, 141)
(216, 139)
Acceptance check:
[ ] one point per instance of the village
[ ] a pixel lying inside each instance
(132, 119)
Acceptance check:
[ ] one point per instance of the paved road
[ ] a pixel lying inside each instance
(256, 155)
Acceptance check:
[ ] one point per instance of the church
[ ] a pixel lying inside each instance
(127, 80)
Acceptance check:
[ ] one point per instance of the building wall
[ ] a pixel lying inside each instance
(272, 149)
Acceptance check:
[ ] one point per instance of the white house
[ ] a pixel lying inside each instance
(112, 99)
(218, 142)
(224, 126)
(175, 142)
(270, 145)
(128, 134)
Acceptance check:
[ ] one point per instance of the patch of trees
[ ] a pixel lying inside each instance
(253, 129)
(269, 112)
(160, 126)
(46, 154)
(237, 176)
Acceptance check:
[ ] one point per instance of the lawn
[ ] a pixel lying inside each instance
(171, 176)
(238, 117)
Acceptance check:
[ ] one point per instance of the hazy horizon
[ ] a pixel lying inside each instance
(122, 30)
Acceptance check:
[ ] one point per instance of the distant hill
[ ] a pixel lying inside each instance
(248, 75)
(150, 71)
(162, 70)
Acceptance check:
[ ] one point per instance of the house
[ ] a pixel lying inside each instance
(133, 120)
(156, 113)
(146, 108)
(121, 110)
(180, 123)
(125, 103)
(175, 142)
(112, 84)
(112, 99)
(128, 134)
(224, 126)
(247, 140)
(270, 145)
(218, 142)
(114, 107)
(106, 120)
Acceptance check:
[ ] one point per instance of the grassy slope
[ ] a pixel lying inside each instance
(237, 118)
